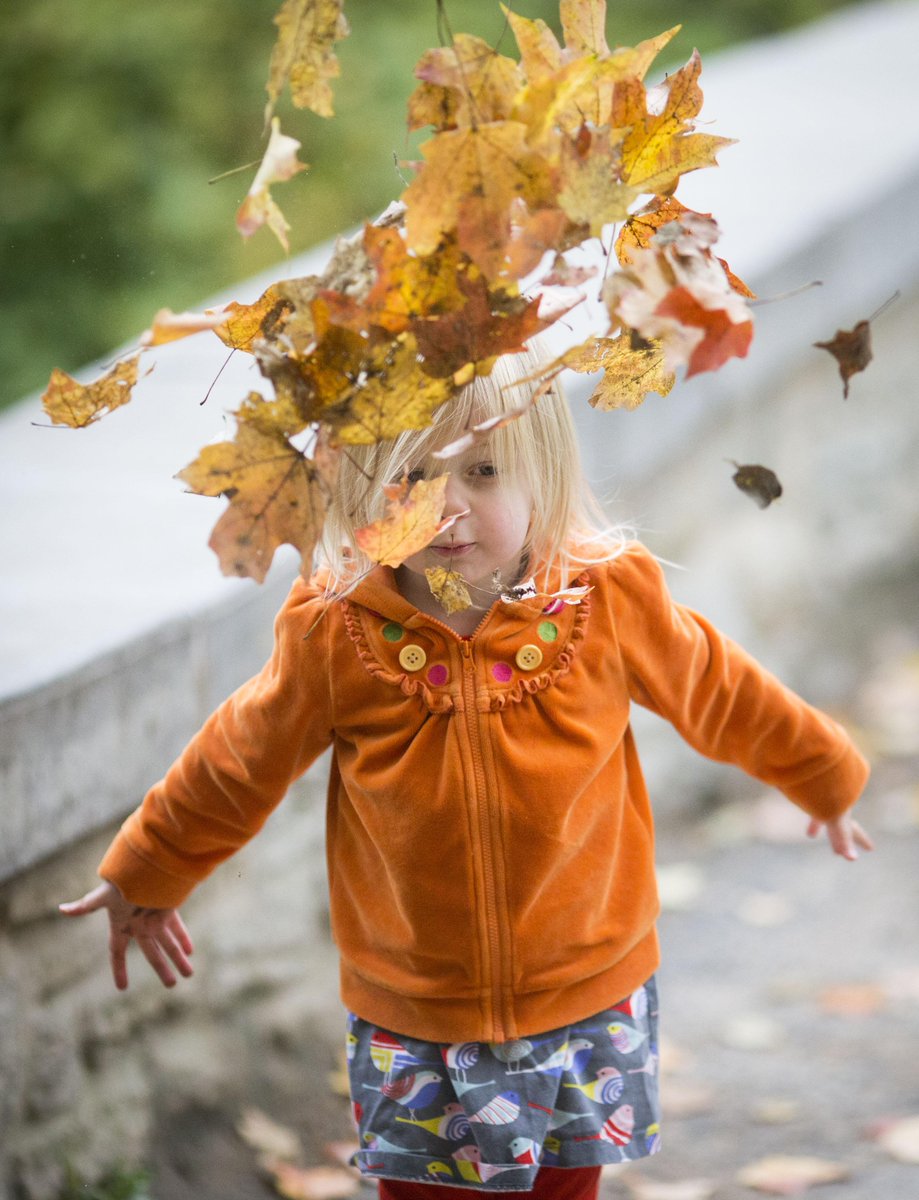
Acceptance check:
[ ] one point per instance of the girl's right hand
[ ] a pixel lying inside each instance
(160, 933)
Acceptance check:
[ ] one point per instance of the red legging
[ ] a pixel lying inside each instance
(552, 1183)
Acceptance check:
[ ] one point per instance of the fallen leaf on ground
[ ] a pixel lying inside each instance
(657, 1189)
(759, 483)
(449, 589)
(266, 1136)
(341, 1152)
(312, 1183)
(776, 1111)
(900, 1138)
(259, 208)
(752, 1031)
(685, 1098)
(679, 886)
(773, 819)
(787, 1175)
(765, 910)
(852, 999)
(69, 402)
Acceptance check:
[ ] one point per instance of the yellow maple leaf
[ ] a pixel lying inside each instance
(168, 326)
(540, 53)
(277, 495)
(660, 145)
(466, 83)
(584, 26)
(69, 402)
(248, 322)
(589, 189)
(278, 165)
(467, 184)
(449, 589)
(413, 517)
(629, 373)
(304, 54)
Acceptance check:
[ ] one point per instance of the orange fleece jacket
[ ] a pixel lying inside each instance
(490, 839)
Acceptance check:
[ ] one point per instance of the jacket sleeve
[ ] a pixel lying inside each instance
(235, 770)
(724, 703)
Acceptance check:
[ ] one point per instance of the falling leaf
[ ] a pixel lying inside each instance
(312, 1183)
(278, 165)
(449, 589)
(277, 495)
(466, 185)
(590, 192)
(168, 326)
(304, 54)
(629, 374)
(852, 999)
(759, 483)
(657, 1189)
(266, 1136)
(242, 324)
(414, 515)
(900, 1139)
(852, 350)
(463, 84)
(68, 402)
(783, 1175)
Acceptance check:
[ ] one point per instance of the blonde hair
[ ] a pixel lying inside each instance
(568, 530)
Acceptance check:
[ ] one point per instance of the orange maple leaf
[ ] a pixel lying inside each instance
(247, 323)
(414, 515)
(69, 402)
(304, 54)
(466, 83)
(278, 165)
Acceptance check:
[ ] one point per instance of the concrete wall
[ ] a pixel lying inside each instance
(117, 634)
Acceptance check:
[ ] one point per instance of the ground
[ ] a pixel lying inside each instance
(790, 1015)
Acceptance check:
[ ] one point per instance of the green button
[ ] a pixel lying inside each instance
(393, 632)
(548, 632)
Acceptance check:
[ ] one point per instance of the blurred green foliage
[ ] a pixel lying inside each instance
(114, 116)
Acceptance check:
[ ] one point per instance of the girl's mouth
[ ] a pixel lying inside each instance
(453, 551)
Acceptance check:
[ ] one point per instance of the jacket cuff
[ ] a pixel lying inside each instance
(139, 880)
(830, 793)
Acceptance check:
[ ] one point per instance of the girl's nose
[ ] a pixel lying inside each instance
(455, 497)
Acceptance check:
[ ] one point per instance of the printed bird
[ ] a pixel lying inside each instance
(460, 1056)
(380, 1145)
(625, 1038)
(560, 1118)
(388, 1054)
(650, 1065)
(411, 1091)
(617, 1129)
(461, 1087)
(350, 1046)
(504, 1109)
(525, 1151)
(606, 1088)
(452, 1124)
(653, 1138)
(551, 1150)
(468, 1160)
(570, 1056)
(511, 1053)
(439, 1170)
(635, 1005)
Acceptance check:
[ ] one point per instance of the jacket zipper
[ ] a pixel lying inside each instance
(486, 844)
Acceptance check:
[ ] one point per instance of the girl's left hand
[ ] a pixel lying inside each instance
(844, 835)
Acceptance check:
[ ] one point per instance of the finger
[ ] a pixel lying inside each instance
(91, 902)
(182, 936)
(814, 827)
(152, 952)
(861, 837)
(117, 953)
(841, 840)
(176, 952)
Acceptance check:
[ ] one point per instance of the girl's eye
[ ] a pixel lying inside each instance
(484, 470)
(415, 475)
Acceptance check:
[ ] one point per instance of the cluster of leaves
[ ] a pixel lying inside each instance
(527, 161)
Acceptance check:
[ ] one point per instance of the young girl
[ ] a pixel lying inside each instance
(490, 841)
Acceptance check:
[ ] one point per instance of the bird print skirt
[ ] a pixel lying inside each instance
(486, 1116)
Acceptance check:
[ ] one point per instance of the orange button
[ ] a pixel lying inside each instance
(412, 657)
(528, 658)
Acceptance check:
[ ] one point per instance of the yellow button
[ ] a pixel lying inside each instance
(412, 657)
(528, 658)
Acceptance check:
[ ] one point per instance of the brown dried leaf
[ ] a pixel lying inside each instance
(312, 1183)
(68, 402)
(304, 54)
(266, 1136)
(413, 517)
(278, 165)
(787, 1175)
(449, 589)
(759, 483)
(852, 350)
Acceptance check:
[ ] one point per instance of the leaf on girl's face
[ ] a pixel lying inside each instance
(278, 165)
(413, 517)
(304, 54)
(449, 589)
(68, 402)
(852, 350)
(629, 373)
(277, 495)
(759, 483)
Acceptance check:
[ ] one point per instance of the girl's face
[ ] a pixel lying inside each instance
(489, 534)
